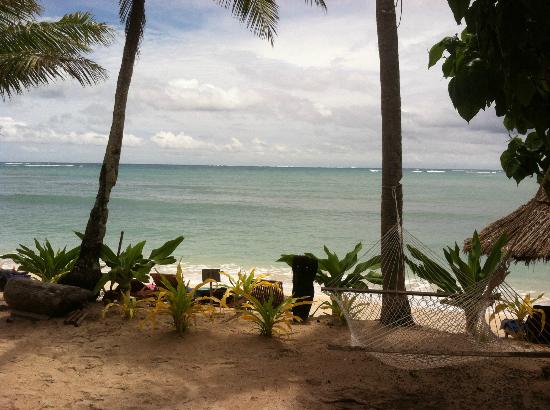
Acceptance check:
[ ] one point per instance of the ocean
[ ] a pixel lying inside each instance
(246, 217)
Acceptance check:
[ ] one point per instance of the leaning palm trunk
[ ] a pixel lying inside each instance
(395, 308)
(86, 271)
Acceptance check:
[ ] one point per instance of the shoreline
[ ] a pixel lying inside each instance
(284, 274)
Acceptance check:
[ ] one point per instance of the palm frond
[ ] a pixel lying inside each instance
(127, 9)
(20, 71)
(260, 16)
(12, 11)
(320, 3)
(34, 53)
(74, 33)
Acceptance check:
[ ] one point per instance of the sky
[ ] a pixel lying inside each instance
(206, 91)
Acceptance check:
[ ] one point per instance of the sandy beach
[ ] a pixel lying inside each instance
(113, 364)
(211, 170)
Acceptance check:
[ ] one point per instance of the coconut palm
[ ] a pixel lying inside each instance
(33, 53)
(393, 266)
(260, 16)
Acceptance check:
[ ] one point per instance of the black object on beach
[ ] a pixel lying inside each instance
(534, 331)
(304, 270)
(7, 274)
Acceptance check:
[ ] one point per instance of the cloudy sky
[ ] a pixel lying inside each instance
(205, 91)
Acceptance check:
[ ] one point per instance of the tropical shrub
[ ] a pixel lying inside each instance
(180, 303)
(521, 309)
(268, 317)
(462, 275)
(240, 286)
(465, 279)
(346, 303)
(128, 306)
(47, 264)
(130, 264)
(337, 273)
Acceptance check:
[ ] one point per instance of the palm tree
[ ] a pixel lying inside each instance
(33, 53)
(260, 16)
(394, 308)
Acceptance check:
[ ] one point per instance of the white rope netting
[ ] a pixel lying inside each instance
(413, 324)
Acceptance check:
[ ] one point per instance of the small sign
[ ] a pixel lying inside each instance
(213, 274)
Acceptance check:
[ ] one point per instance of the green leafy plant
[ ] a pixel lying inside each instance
(180, 303)
(241, 286)
(130, 264)
(521, 309)
(48, 264)
(462, 277)
(347, 303)
(337, 273)
(268, 317)
(501, 59)
(128, 306)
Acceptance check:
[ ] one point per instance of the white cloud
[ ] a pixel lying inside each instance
(323, 109)
(313, 99)
(177, 141)
(12, 131)
(183, 94)
(235, 144)
(182, 141)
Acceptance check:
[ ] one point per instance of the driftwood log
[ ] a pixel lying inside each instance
(47, 299)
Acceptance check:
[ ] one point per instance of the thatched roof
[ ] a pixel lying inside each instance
(527, 229)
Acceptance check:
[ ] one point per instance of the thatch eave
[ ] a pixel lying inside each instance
(527, 230)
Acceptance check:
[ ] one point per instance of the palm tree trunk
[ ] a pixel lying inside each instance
(86, 271)
(395, 309)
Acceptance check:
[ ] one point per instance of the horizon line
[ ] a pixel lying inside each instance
(247, 166)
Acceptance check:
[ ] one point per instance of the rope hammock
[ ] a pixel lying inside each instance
(411, 323)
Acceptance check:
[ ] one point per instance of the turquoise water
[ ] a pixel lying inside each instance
(247, 216)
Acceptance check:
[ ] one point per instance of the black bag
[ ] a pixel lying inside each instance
(534, 331)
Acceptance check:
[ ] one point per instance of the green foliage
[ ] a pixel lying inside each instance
(431, 271)
(33, 52)
(260, 16)
(269, 317)
(49, 265)
(461, 275)
(241, 286)
(502, 58)
(338, 273)
(347, 303)
(521, 308)
(459, 8)
(180, 303)
(128, 306)
(335, 272)
(287, 258)
(266, 315)
(131, 264)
